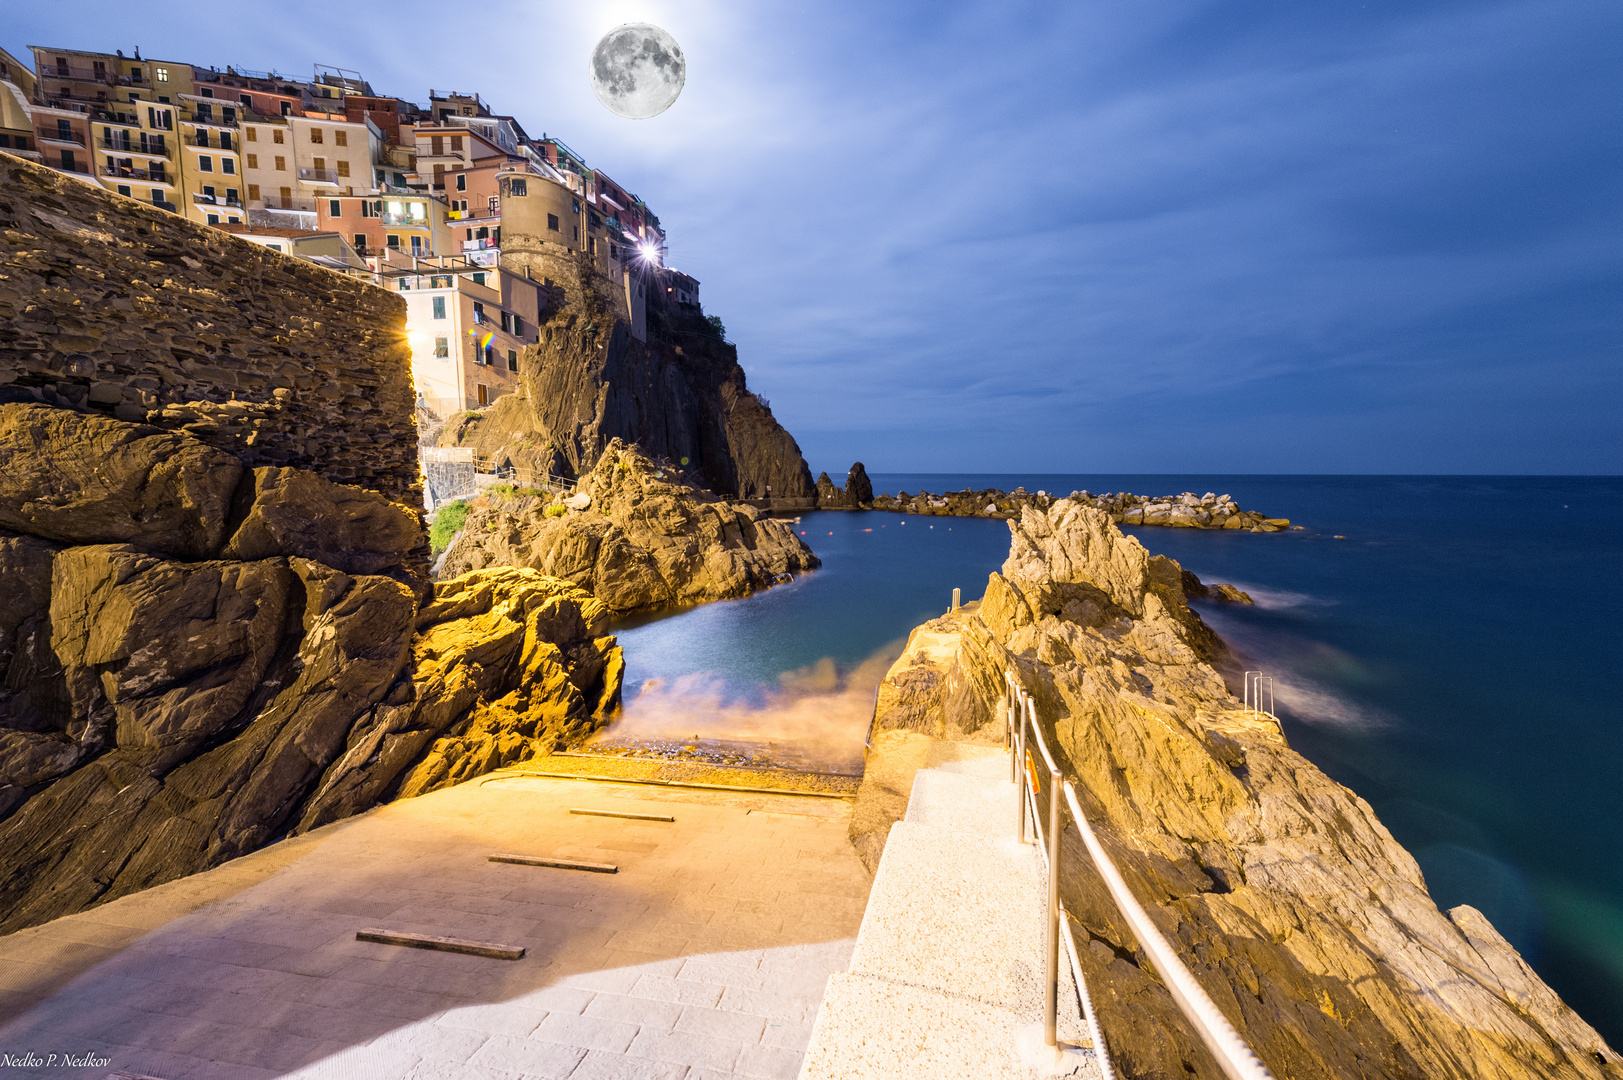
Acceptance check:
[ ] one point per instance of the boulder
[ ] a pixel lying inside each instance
(647, 541)
(82, 478)
(293, 512)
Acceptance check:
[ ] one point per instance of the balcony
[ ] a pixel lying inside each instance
(157, 150)
(202, 141)
(111, 78)
(216, 200)
(486, 244)
(302, 206)
(390, 218)
(151, 176)
(60, 138)
(319, 177)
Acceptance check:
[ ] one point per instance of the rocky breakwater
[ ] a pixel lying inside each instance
(1185, 511)
(634, 535)
(199, 657)
(1307, 923)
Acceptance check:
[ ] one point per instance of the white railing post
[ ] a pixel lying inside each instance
(1051, 1000)
(1020, 770)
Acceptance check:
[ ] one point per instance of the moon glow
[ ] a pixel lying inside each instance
(637, 71)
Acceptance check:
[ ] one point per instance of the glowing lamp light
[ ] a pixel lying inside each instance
(650, 253)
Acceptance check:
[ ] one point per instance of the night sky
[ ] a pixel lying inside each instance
(1100, 237)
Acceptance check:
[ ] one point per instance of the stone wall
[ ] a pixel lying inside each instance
(110, 305)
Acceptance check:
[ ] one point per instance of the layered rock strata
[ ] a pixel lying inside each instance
(680, 395)
(635, 536)
(1306, 922)
(111, 306)
(199, 657)
(1186, 511)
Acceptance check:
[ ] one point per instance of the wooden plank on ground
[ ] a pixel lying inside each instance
(621, 814)
(441, 944)
(561, 864)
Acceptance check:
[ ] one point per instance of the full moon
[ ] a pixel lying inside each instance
(638, 71)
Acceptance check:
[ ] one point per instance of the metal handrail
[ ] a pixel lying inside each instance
(1234, 1056)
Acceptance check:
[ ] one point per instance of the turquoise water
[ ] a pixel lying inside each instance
(1454, 660)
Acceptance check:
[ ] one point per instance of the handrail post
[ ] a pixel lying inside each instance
(1051, 1000)
(1020, 774)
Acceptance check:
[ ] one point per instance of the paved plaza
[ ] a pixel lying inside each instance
(706, 955)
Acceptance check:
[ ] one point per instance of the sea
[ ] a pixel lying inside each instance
(1445, 646)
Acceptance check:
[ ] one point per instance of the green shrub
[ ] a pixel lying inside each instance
(447, 523)
(504, 490)
(556, 510)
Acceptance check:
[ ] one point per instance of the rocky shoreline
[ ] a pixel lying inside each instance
(1182, 511)
(1307, 923)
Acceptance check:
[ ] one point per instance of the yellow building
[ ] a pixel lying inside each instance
(16, 100)
(212, 179)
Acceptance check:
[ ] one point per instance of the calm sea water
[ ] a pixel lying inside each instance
(1454, 660)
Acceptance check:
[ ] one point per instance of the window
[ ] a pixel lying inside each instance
(343, 168)
(208, 189)
(64, 131)
(340, 138)
(478, 311)
(439, 281)
(276, 136)
(225, 140)
(315, 135)
(484, 394)
(205, 163)
(439, 301)
(228, 114)
(123, 189)
(233, 220)
(507, 323)
(253, 192)
(253, 161)
(161, 74)
(393, 240)
(231, 195)
(512, 359)
(518, 187)
(247, 100)
(591, 244)
(214, 219)
(274, 247)
(228, 166)
(320, 163)
(206, 92)
(495, 204)
(456, 144)
(442, 347)
(417, 245)
(360, 240)
(575, 205)
(370, 208)
(287, 196)
(461, 181)
(479, 279)
(518, 328)
(253, 134)
(436, 146)
(419, 211)
(205, 113)
(335, 208)
(157, 196)
(281, 163)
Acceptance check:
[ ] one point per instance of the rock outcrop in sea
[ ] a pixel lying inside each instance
(1306, 922)
(1185, 511)
(200, 657)
(635, 536)
(857, 494)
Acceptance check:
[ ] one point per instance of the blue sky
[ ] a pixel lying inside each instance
(1154, 236)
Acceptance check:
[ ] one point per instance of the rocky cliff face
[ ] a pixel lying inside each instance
(680, 396)
(200, 657)
(635, 537)
(857, 494)
(1304, 920)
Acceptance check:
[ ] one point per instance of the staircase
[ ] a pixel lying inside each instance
(947, 976)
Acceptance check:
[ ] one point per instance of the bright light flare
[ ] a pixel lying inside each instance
(650, 254)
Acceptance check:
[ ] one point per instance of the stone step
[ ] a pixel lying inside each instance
(972, 796)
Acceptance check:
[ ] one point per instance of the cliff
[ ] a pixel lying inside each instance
(634, 536)
(680, 396)
(1306, 922)
(198, 658)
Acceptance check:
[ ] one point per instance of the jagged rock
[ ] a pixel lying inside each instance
(646, 542)
(1194, 588)
(85, 479)
(506, 663)
(858, 488)
(1307, 923)
(681, 397)
(829, 497)
(295, 512)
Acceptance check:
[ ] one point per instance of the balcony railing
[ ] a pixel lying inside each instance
(202, 140)
(67, 71)
(276, 202)
(216, 200)
(389, 218)
(158, 176)
(60, 136)
(149, 150)
(214, 120)
(324, 177)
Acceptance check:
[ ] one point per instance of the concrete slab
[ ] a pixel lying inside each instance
(706, 954)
